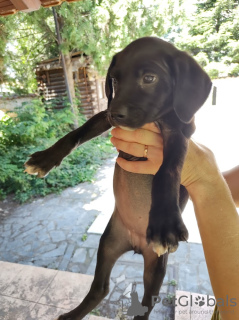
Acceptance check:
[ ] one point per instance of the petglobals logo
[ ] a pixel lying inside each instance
(194, 300)
(136, 308)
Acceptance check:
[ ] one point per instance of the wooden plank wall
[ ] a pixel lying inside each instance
(51, 85)
(87, 90)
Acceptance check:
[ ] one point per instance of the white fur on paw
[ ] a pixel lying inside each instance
(35, 171)
(159, 249)
(31, 170)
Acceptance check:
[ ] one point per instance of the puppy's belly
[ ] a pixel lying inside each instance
(133, 201)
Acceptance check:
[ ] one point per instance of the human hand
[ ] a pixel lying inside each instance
(134, 142)
(199, 164)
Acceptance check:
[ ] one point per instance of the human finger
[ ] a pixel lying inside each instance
(141, 136)
(133, 148)
(138, 150)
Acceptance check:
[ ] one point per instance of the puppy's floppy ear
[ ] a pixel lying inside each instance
(192, 86)
(108, 82)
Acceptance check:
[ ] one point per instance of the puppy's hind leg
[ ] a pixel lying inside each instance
(113, 244)
(154, 272)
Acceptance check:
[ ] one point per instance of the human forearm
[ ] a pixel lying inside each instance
(218, 222)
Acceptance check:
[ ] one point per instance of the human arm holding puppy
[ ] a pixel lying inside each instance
(217, 218)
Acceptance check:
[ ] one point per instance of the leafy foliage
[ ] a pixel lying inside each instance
(213, 34)
(29, 38)
(34, 129)
(208, 29)
(5, 25)
(97, 28)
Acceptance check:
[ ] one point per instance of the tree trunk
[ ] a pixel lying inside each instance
(71, 86)
(67, 68)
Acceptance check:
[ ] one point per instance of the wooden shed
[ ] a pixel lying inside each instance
(88, 83)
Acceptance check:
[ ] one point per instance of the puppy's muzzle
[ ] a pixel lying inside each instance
(126, 116)
(119, 115)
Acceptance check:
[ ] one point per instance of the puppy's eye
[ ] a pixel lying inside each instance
(148, 78)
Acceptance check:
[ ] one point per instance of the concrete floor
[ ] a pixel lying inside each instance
(33, 293)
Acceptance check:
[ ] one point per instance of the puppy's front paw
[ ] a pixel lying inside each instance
(165, 231)
(40, 163)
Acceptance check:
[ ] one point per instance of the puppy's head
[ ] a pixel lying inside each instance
(150, 78)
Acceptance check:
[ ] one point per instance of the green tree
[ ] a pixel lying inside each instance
(25, 40)
(5, 24)
(97, 28)
(212, 36)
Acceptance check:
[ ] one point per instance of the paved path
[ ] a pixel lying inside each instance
(51, 232)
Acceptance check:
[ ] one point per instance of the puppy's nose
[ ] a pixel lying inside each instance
(119, 115)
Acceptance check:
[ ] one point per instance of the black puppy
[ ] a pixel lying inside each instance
(149, 81)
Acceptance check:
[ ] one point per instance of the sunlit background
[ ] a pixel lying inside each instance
(217, 128)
